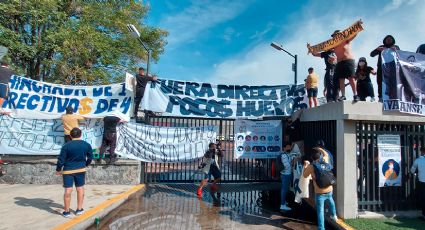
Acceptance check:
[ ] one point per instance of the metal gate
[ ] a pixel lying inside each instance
(233, 170)
(370, 196)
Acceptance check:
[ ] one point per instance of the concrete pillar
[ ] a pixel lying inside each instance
(346, 194)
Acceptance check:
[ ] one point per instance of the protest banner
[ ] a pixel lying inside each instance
(41, 136)
(164, 144)
(194, 99)
(403, 86)
(258, 139)
(338, 39)
(40, 100)
(389, 155)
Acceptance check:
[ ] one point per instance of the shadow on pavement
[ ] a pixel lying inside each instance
(40, 203)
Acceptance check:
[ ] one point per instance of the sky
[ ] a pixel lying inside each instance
(228, 42)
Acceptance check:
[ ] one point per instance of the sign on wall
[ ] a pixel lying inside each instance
(389, 154)
(194, 99)
(41, 100)
(258, 139)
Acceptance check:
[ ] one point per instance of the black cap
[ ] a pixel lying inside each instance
(310, 69)
(141, 68)
(320, 143)
(335, 32)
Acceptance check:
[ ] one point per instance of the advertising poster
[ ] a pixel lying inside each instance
(389, 152)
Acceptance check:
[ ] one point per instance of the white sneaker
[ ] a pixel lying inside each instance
(334, 218)
(284, 207)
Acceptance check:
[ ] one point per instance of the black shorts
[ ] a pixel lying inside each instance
(312, 92)
(345, 69)
(214, 171)
(4, 91)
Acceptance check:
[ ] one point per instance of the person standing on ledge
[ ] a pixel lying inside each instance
(311, 84)
(73, 159)
(141, 81)
(109, 137)
(345, 68)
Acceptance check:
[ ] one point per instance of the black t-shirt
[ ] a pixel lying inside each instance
(363, 75)
(142, 80)
(5, 74)
(325, 56)
(110, 124)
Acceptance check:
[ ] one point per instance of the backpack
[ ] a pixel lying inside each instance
(324, 175)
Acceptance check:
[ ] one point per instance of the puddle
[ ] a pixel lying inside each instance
(234, 206)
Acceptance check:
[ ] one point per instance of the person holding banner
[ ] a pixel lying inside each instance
(322, 193)
(345, 67)
(210, 167)
(5, 74)
(330, 83)
(73, 159)
(364, 84)
(387, 43)
(70, 121)
(109, 137)
(141, 81)
(419, 164)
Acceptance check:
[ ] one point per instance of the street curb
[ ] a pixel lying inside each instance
(87, 219)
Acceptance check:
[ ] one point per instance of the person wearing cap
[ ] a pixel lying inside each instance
(331, 83)
(70, 121)
(387, 43)
(141, 81)
(364, 84)
(311, 84)
(5, 74)
(345, 67)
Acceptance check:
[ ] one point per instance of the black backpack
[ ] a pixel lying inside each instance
(324, 175)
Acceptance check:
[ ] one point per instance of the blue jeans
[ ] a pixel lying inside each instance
(286, 181)
(320, 207)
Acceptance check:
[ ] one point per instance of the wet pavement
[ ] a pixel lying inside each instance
(234, 206)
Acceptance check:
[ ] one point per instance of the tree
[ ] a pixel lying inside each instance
(76, 41)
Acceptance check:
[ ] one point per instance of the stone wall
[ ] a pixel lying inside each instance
(38, 170)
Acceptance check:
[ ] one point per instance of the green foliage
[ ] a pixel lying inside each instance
(76, 41)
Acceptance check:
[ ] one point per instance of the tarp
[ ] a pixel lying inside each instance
(194, 99)
(403, 81)
(41, 100)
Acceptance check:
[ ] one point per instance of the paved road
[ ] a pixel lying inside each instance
(235, 206)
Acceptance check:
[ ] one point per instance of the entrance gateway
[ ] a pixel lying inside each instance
(233, 170)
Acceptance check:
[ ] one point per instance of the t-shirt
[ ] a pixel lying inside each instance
(142, 81)
(312, 81)
(364, 74)
(74, 157)
(286, 162)
(5, 74)
(325, 56)
(110, 124)
(70, 121)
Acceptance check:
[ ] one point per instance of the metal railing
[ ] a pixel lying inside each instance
(371, 197)
(233, 170)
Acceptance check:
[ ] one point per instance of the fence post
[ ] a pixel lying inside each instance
(346, 194)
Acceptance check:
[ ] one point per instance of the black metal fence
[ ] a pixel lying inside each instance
(370, 196)
(233, 170)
